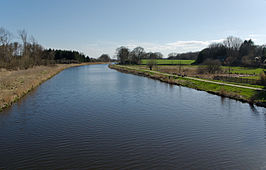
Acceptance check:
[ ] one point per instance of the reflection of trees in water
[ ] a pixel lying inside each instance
(226, 102)
(264, 114)
(260, 95)
(259, 111)
(253, 109)
(222, 100)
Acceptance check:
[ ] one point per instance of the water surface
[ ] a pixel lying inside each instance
(94, 117)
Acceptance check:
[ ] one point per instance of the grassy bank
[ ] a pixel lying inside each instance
(253, 96)
(17, 83)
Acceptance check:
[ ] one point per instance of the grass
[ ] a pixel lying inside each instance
(242, 84)
(192, 71)
(252, 77)
(244, 70)
(169, 62)
(233, 70)
(17, 83)
(243, 94)
(221, 89)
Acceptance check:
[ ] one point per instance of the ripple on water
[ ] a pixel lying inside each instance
(92, 117)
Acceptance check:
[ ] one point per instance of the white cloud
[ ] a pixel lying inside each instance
(98, 48)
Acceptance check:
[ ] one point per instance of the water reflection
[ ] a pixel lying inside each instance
(92, 117)
(253, 109)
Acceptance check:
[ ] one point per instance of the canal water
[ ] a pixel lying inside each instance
(92, 117)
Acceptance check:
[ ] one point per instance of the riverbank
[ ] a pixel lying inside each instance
(17, 83)
(245, 94)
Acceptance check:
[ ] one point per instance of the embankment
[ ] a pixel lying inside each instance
(251, 96)
(17, 83)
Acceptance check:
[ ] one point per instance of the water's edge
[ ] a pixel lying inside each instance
(166, 80)
(94, 117)
(34, 86)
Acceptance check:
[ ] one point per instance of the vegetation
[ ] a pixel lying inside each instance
(14, 84)
(234, 52)
(125, 56)
(244, 70)
(169, 62)
(28, 53)
(104, 58)
(233, 60)
(151, 63)
(213, 66)
(64, 56)
(244, 94)
(263, 78)
(183, 56)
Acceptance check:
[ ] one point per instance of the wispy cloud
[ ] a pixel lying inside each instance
(96, 49)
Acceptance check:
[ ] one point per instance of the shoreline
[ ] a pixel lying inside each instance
(223, 90)
(15, 84)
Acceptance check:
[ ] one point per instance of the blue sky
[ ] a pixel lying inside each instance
(100, 26)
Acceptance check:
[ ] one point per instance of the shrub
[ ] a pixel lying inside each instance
(213, 66)
(263, 78)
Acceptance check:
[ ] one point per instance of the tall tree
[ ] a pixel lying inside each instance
(122, 54)
(136, 54)
(104, 58)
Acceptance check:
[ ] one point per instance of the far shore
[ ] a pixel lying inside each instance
(17, 83)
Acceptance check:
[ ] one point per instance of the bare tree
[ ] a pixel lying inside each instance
(136, 54)
(158, 55)
(5, 47)
(232, 43)
(5, 36)
(151, 63)
(104, 58)
(213, 66)
(216, 45)
(122, 54)
(24, 38)
(172, 55)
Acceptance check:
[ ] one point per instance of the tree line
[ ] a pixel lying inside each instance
(28, 52)
(231, 52)
(65, 56)
(183, 56)
(234, 52)
(127, 56)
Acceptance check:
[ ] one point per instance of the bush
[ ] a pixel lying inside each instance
(151, 63)
(213, 66)
(263, 78)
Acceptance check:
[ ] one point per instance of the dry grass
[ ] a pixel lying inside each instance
(15, 84)
(194, 71)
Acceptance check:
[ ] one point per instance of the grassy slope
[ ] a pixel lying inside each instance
(243, 94)
(17, 83)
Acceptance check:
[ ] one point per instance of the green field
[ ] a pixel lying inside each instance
(169, 62)
(245, 70)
